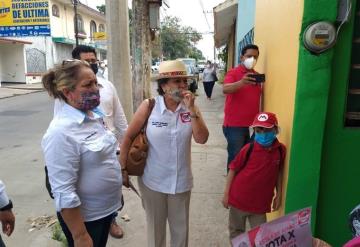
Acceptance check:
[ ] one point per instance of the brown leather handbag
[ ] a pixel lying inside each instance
(136, 159)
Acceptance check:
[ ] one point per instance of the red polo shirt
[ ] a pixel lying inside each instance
(252, 189)
(241, 106)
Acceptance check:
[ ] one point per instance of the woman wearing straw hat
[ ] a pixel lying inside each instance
(167, 181)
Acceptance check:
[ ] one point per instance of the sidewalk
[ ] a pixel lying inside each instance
(208, 218)
(15, 89)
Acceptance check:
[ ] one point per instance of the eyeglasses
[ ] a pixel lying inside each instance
(67, 61)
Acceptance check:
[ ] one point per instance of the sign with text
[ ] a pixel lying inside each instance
(24, 18)
(99, 35)
(292, 230)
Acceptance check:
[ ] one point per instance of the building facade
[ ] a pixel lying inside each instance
(32, 56)
(316, 98)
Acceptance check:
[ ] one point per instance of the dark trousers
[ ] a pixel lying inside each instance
(1, 242)
(236, 138)
(208, 87)
(98, 230)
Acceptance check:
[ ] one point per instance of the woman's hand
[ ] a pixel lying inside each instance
(125, 178)
(83, 240)
(189, 99)
(7, 220)
(225, 200)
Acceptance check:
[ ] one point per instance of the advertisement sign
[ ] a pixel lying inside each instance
(24, 18)
(99, 35)
(288, 231)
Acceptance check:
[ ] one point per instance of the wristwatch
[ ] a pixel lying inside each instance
(7, 207)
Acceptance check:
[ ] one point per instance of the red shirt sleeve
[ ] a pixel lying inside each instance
(238, 163)
(231, 76)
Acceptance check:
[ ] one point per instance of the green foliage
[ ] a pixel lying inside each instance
(101, 8)
(223, 55)
(221, 76)
(58, 234)
(178, 41)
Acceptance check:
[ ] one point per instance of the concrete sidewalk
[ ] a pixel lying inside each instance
(15, 89)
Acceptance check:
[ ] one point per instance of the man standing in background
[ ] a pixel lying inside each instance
(242, 101)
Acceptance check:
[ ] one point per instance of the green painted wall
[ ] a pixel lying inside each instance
(312, 92)
(340, 167)
(324, 159)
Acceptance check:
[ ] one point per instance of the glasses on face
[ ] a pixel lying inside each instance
(92, 61)
(67, 61)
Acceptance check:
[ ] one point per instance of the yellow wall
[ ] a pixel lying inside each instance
(277, 29)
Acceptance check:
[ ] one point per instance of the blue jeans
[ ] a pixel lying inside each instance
(98, 230)
(236, 138)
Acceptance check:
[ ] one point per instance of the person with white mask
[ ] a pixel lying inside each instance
(242, 101)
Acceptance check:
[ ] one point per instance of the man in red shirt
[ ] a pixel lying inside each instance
(242, 101)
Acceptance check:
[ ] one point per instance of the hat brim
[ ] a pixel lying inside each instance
(263, 125)
(172, 76)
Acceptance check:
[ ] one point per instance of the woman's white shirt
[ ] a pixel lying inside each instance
(168, 165)
(80, 154)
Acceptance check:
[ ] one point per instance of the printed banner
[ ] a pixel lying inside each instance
(24, 18)
(288, 231)
(99, 36)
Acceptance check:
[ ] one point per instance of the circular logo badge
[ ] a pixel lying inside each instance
(263, 117)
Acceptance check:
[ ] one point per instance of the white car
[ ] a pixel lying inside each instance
(155, 67)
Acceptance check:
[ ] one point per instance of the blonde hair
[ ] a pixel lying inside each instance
(63, 76)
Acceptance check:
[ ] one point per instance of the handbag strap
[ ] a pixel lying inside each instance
(150, 108)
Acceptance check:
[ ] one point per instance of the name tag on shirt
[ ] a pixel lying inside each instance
(159, 124)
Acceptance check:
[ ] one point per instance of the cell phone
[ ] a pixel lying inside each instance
(259, 78)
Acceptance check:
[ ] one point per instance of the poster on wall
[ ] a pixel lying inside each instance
(288, 231)
(19, 18)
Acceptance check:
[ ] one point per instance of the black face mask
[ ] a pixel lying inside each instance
(94, 67)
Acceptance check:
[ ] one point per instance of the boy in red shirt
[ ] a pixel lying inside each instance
(253, 175)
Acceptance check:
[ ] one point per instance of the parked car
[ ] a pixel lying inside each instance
(193, 85)
(190, 62)
(201, 65)
(155, 67)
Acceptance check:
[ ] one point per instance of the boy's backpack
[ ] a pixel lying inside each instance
(249, 151)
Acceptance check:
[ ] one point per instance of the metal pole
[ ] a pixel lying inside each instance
(75, 3)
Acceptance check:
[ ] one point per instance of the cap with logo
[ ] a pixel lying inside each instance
(265, 120)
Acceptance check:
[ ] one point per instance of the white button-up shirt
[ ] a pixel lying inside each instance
(80, 154)
(168, 165)
(4, 200)
(114, 116)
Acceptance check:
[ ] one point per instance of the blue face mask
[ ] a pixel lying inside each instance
(265, 139)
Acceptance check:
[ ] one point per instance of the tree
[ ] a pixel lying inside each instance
(179, 41)
(101, 8)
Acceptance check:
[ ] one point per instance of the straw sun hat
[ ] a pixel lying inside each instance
(172, 69)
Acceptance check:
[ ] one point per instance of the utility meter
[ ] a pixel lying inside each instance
(319, 36)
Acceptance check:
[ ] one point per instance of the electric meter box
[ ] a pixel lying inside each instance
(319, 36)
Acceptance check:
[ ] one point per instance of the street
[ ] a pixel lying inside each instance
(25, 118)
